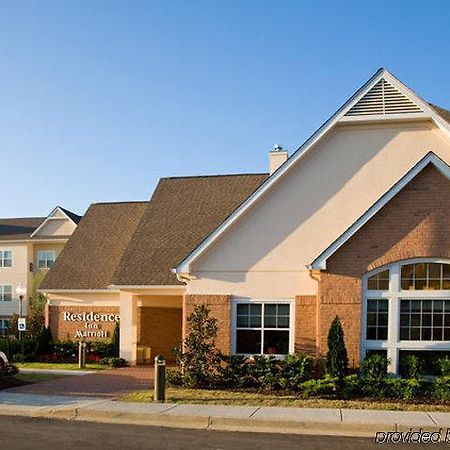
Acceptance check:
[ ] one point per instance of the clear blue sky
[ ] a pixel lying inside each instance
(101, 98)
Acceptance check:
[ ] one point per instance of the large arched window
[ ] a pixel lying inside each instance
(406, 307)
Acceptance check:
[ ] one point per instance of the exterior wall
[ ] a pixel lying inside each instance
(306, 325)
(220, 307)
(414, 223)
(265, 254)
(57, 227)
(159, 329)
(67, 330)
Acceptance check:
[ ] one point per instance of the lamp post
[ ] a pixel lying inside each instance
(21, 291)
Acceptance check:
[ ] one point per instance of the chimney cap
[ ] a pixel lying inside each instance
(277, 148)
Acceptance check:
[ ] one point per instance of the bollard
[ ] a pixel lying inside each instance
(81, 355)
(160, 379)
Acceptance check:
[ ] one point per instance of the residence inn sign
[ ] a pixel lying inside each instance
(88, 324)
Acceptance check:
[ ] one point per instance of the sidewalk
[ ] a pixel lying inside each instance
(346, 422)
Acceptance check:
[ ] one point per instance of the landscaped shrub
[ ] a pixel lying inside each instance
(115, 341)
(198, 358)
(113, 362)
(411, 366)
(403, 388)
(44, 345)
(444, 366)
(323, 387)
(295, 370)
(18, 358)
(66, 351)
(440, 389)
(373, 375)
(233, 371)
(264, 372)
(174, 377)
(337, 358)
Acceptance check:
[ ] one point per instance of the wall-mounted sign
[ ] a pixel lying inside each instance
(92, 323)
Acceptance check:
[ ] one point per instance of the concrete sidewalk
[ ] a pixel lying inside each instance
(347, 422)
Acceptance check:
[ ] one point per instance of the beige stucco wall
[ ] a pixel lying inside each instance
(88, 299)
(57, 227)
(350, 169)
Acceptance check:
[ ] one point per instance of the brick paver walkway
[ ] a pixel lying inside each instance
(104, 383)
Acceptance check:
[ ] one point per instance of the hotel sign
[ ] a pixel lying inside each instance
(91, 322)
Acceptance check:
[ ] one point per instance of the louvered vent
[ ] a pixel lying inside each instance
(383, 98)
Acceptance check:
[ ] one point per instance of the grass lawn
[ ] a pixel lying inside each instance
(59, 366)
(235, 398)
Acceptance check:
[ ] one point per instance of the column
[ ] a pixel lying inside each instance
(128, 327)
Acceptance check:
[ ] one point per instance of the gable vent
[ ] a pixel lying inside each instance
(383, 98)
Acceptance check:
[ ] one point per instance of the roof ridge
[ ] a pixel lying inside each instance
(120, 202)
(23, 218)
(216, 175)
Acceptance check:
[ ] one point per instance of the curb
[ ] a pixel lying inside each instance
(89, 413)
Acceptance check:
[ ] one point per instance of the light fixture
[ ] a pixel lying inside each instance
(21, 290)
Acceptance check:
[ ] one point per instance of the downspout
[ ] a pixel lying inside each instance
(315, 275)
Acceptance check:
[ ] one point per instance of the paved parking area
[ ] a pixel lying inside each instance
(104, 383)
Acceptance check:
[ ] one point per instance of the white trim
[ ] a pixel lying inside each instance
(287, 301)
(143, 286)
(184, 266)
(77, 291)
(321, 261)
(50, 217)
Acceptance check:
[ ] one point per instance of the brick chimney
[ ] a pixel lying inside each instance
(277, 157)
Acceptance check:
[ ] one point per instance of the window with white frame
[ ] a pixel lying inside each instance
(4, 327)
(46, 259)
(262, 327)
(406, 307)
(5, 293)
(5, 258)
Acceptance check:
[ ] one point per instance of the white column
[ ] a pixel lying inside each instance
(128, 327)
(394, 320)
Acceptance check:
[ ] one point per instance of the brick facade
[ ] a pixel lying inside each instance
(415, 223)
(305, 340)
(220, 308)
(159, 329)
(66, 330)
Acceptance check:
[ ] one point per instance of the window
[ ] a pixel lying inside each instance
(425, 320)
(5, 293)
(5, 258)
(263, 328)
(425, 276)
(406, 308)
(377, 319)
(46, 259)
(379, 281)
(4, 327)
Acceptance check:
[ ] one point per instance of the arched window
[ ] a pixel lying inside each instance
(406, 307)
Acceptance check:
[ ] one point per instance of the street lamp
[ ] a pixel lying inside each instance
(21, 291)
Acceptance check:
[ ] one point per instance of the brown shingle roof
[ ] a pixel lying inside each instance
(20, 228)
(444, 113)
(181, 214)
(89, 259)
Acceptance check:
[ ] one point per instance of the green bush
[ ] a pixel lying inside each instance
(373, 375)
(18, 358)
(44, 345)
(352, 386)
(403, 388)
(295, 370)
(440, 389)
(115, 341)
(264, 372)
(337, 358)
(233, 371)
(174, 377)
(444, 366)
(113, 362)
(411, 366)
(323, 387)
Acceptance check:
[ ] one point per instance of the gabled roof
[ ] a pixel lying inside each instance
(57, 213)
(431, 158)
(89, 259)
(19, 228)
(422, 110)
(137, 244)
(181, 214)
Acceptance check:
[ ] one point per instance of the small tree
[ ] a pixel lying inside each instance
(44, 344)
(337, 359)
(36, 308)
(199, 357)
(115, 340)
